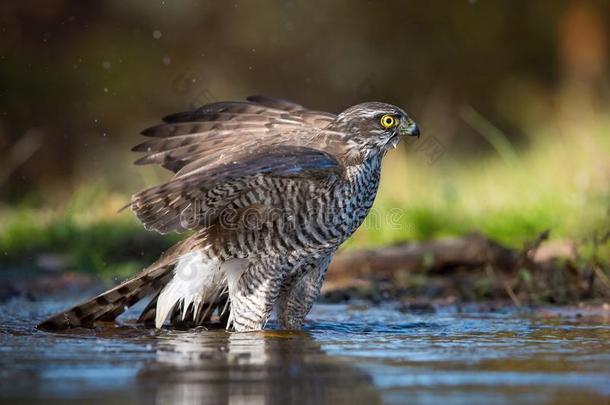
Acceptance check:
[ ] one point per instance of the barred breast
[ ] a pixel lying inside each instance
(281, 217)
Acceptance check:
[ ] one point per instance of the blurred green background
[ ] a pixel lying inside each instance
(512, 98)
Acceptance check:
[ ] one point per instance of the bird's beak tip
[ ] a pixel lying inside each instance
(415, 131)
(411, 129)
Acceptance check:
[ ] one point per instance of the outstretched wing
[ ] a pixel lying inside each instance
(215, 131)
(222, 150)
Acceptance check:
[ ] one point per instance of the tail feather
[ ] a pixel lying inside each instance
(148, 314)
(107, 306)
(110, 304)
(178, 317)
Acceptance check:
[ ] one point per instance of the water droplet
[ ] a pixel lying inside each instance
(107, 65)
(157, 34)
(167, 60)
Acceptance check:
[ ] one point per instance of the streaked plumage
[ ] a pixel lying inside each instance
(270, 190)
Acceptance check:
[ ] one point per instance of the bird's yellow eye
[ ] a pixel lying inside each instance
(388, 121)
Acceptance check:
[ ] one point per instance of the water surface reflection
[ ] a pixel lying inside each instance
(348, 354)
(251, 368)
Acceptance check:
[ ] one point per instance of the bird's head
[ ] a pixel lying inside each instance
(375, 127)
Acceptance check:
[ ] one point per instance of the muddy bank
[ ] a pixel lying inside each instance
(470, 269)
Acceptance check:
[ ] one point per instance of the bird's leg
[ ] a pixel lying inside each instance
(253, 296)
(299, 292)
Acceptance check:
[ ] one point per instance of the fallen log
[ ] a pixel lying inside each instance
(472, 250)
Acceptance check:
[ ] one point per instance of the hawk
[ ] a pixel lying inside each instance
(268, 191)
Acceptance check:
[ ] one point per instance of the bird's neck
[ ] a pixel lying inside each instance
(366, 172)
(363, 181)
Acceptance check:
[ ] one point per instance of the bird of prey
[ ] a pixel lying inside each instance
(268, 191)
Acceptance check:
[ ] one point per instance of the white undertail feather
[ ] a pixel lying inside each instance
(233, 270)
(196, 281)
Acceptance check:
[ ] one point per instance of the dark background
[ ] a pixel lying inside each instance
(80, 79)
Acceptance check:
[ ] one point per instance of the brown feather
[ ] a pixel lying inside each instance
(160, 207)
(225, 144)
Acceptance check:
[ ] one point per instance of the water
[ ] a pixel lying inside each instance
(346, 354)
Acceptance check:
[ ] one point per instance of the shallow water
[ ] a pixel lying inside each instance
(346, 354)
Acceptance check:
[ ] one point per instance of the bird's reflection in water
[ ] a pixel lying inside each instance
(251, 368)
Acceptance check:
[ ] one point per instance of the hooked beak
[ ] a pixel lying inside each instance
(408, 127)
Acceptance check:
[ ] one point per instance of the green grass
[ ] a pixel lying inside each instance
(561, 182)
(87, 232)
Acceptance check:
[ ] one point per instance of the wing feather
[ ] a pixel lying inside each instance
(162, 208)
(219, 128)
(226, 145)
